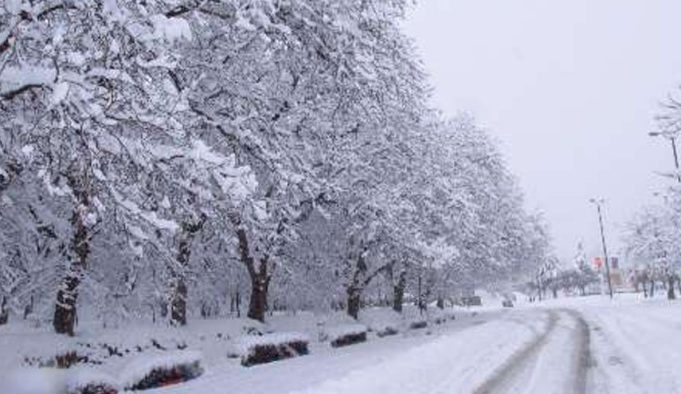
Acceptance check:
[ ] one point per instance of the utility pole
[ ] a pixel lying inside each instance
(672, 139)
(605, 249)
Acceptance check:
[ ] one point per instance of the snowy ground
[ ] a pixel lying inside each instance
(569, 345)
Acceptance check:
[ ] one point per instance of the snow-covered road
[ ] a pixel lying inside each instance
(557, 358)
(568, 346)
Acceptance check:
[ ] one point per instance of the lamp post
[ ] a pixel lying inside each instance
(598, 203)
(672, 139)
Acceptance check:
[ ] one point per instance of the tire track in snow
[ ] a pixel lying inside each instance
(543, 360)
(514, 364)
(584, 359)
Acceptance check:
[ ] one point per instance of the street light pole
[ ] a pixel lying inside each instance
(672, 139)
(605, 249)
(676, 158)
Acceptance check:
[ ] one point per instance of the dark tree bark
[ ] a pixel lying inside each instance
(28, 309)
(4, 312)
(398, 292)
(652, 288)
(670, 288)
(235, 303)
(65, 312)
(354, 301)
(259, 275)
(179, 291)
(360, 280)
(260, 282)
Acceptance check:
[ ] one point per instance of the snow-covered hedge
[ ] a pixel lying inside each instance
(270, 347)
(345, 335)
(387, 331)
(162, 370)
(90, 381)
(418, 324)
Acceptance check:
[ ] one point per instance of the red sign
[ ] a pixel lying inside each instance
(598, 262)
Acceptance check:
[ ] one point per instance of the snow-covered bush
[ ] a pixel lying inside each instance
(90, 381)
(162, 370)
(418, 324)
(270, 347)
(387, 331)
(345, 335)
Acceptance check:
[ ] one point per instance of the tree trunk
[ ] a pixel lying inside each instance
(670, 289)
(178, 302)
(652, 288)
(259, 276)
(65, 313)
(555, 292)
(354, 298)
(179, 291)
(235, 303)
(28, 309)
(257, 306)
(440, 302)
(4, 312)
(398, 292)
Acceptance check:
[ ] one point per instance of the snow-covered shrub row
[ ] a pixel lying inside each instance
(270, 347)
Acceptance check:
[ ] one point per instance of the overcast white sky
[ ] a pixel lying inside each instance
(569, 88)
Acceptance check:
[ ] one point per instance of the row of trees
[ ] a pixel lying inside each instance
(553, 277)
(169, 157)
(652, 236)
